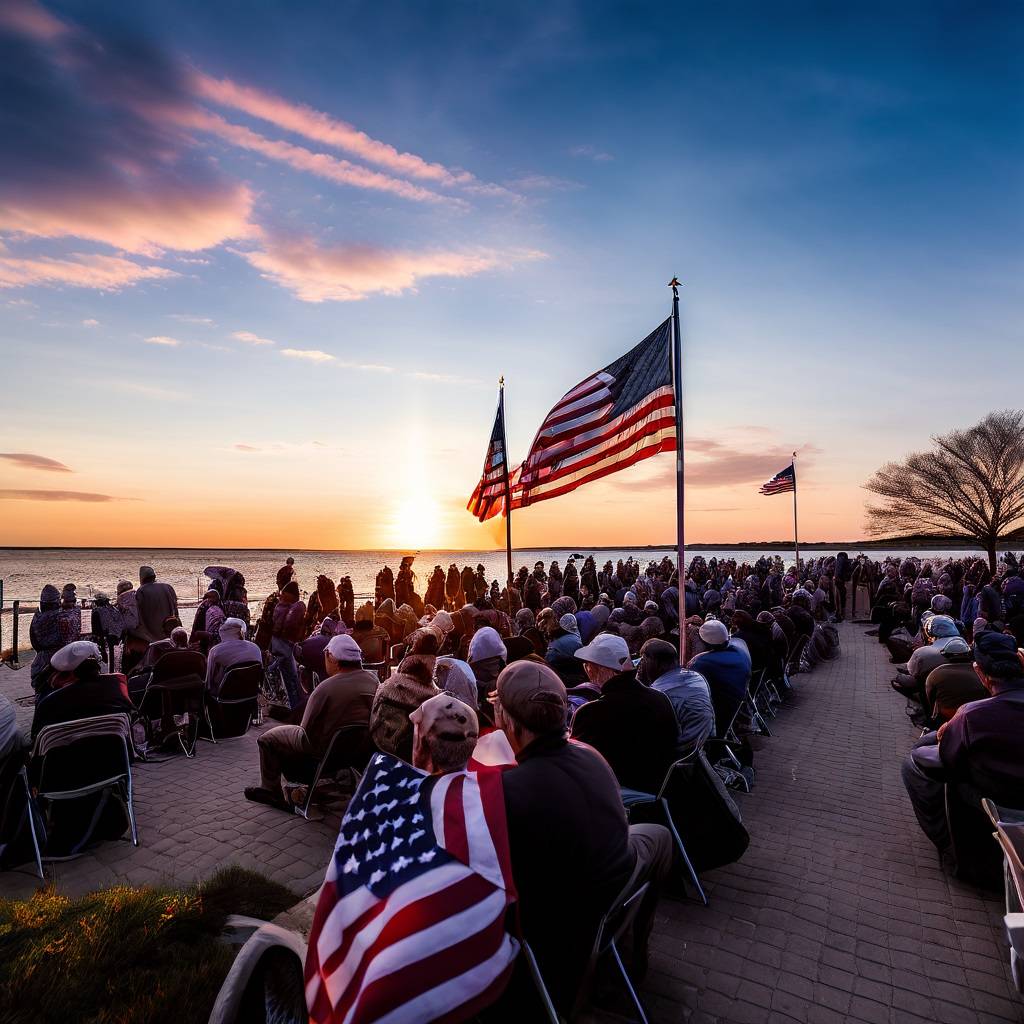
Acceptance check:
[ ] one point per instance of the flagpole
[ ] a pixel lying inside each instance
(677, 387)
(508, 490)
(796, 535)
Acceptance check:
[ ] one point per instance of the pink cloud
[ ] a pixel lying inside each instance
(347, 273)
(27, 18)
(26, 460)
(81, 270)
(301, 159)
(250, 339)
(163, 339)
(330, 131)
(15, 494)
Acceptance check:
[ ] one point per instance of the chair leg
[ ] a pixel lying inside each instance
(542, 989)
(131, 810)
(30, 812)
(629, 983)
(681, 847)
(304, 809)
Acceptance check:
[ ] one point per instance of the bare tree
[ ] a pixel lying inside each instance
(971, 484)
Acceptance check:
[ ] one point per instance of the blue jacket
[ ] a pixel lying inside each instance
(690, 698)
(727, 671)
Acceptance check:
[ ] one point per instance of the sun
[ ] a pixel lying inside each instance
(415, 523)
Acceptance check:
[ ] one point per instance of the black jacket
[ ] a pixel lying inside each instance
(634, 728)
(569, 843)
(84, 698)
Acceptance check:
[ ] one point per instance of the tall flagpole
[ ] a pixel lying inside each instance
(508, 489)
(677, 386)
(796, 535)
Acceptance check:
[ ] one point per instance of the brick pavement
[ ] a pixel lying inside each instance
(838, 910)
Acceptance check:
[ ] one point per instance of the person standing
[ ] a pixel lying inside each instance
(156, 602)
(289, 617)
(44, 635)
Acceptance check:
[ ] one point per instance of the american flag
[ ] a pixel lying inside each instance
(783, 481)
(611, 420)
(410, 924)
(488, 499)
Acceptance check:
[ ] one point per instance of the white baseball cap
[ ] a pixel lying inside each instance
(69, 657)
(608, 650)
(342, 647)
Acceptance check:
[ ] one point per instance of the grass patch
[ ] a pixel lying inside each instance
(140, 955)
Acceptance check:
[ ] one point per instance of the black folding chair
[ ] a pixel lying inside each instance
(349, 749)
(720, 750)
(634, 799)
(96, 753)
(231, 711)
(176, 698)
(19, 815)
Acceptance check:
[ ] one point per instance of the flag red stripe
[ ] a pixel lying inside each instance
(486, 998)
(382, 995)
(414, 917)
(590, 439)
(622, 442)
(492, 799)
(348, 936)
(577, 409)
(456, 842)
(668, 444)
(586, 387)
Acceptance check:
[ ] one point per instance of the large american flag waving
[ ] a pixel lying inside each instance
(782, 482)
(410, 924)
(611, 420)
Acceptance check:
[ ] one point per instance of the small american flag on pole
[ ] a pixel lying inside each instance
(410, 925)
(488, 498)
(613, 419)
(783, 482)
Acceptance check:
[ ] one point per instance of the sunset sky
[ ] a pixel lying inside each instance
(262, 265)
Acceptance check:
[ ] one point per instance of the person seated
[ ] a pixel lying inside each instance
(726, 667)
(687, 692)
(800, 612)
(565, 642)
(951, 684)
(979, 747)
(758, 640)
(233, 649)
(487, 656)
(140, 676)
(395, 700)
(445, 731)
(372, 639)
(345, 697)
(456, 678)
(563, 807)
(81, 689)
(943, 639)
(632, 726)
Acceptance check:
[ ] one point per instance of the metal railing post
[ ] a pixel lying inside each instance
(14, 645)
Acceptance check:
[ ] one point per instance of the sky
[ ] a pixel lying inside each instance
(262, 265)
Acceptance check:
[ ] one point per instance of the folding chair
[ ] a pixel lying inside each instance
(349, 748)
(633, 799)
(538, 982)
(176, 689)
(96, 752)
(231, 711)
(793, 662)
(726, 741)
(755, 698)
(375, 655)
(975, 856)
(1009, 826)
(613, 926)
(18, 809)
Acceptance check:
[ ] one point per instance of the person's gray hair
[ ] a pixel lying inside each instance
(941, 604)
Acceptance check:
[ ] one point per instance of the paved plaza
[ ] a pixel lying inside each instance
(837, 912)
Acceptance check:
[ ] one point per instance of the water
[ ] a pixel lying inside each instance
(26, 571)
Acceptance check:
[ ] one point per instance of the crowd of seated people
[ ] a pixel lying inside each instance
(954, 631)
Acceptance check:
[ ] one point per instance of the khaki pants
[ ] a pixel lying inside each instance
(652, 845)
(285, 750)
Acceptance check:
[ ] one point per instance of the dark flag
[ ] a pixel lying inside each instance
(783, 482)
(488, 497)
(613, 419)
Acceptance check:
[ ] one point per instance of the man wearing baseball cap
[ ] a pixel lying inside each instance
(573, 852)
(80, 688)
(633, 726)
(445, 731)
(344, 698)
(726, 667)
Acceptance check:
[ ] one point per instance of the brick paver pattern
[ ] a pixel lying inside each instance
(838, 911)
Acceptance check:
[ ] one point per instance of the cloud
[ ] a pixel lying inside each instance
(347, 273)
(163, 339)
(90, 323)
(299, 158)
(14, 494)
(92, 146)
(304, 120)
(443, 378)
(246, 448)
(313, 355)
(544, 183)
(80, 270)
(146, 390)
(249, 338)
(26, 460)
(591, 153)
(187, 318)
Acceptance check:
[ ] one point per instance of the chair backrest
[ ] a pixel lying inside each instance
(349, 747)
(241, 682)
(64, 734)
(375, 649)
(178, 664)
(617, 920)
(76, 755)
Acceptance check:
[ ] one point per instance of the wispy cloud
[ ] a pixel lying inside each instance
(589, 152)
(79, 270)
(347, 273)
(16, 494)
(443, 378)
(320, 127)
(250, 339)
(544, 183)
(312, 355)
(163, 339)
(26, 460)
(145, 390)
(188, 318)
(90, 323)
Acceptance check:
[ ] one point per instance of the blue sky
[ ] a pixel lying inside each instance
(839, 188)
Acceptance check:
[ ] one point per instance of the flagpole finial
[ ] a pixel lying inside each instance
(675, 283)
(501, 381)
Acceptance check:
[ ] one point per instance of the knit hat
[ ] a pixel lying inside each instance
(69, 657)
(456, 677)
(996, 655)
(569, 624)
(486, 643)
(49, 595)
(123, 586)
(394, 701)
(443, 621)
